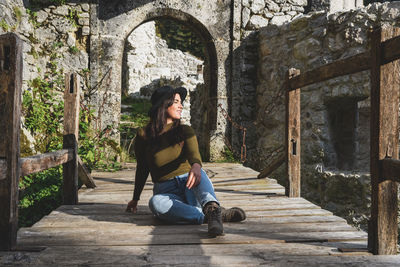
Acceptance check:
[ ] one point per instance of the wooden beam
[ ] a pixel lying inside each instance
(71, 128)
(341, 67)
(84, 175)
(390, 51)
(272, 167)
(390, 169)
(382, 232)
(45, 161)
(293, 137)
(3, 169)
(10, 119)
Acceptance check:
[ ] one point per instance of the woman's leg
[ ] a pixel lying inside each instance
(203, 192)
(172, 209)
(169, 203)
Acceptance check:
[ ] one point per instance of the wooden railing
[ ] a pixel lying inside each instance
(12, 167)
(384, 65)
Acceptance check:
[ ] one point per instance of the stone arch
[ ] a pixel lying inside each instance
(113, 21)
(210, 69)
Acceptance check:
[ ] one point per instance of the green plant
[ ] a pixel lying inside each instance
(4, 25)
(32, 18)
(228, 156)
(73, 16)
(39, 194)
(73, 50)
(17, 13)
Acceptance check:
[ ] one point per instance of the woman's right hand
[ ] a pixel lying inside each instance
(132, 206)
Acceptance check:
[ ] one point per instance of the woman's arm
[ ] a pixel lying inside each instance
(142, 172)
(191, 150)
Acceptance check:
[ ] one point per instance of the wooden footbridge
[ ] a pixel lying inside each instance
(278, 231)
(282, 229)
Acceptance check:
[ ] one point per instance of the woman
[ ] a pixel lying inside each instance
(182, 191)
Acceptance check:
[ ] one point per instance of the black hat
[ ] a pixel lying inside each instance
(163, 93)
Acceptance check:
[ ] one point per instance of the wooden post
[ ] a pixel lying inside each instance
(71, 129)
(10, 116)
(382, 232)
(293, 137)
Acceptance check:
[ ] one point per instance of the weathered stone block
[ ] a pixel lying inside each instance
(61, 10)
(279, 20)
(306, 49)
(257, 6)
(83, 21)
(299, 24)
(298, 2)
(272, 6)
(41, 16)
(85, 7)
(245, 17)
(257, 22)
(85, 30)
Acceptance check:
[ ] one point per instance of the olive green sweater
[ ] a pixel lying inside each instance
(168, 161)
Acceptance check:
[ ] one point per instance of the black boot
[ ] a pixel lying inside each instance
(234, 214)
(212, 212)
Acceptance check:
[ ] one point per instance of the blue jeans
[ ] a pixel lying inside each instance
(174, 203)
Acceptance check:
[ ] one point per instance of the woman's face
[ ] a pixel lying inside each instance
(175, 110)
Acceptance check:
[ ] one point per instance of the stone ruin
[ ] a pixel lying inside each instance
(249, 45)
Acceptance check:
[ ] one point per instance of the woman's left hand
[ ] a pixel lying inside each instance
(194, 176)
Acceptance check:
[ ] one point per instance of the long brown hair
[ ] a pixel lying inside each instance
(158, 120)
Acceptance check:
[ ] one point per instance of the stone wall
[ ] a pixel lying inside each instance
(335, 113)
(47, 31)
(254, 15)
(55, 40)
(251, 16)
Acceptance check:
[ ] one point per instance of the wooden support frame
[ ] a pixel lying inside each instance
(390, 169)
(382, 229)
(71, 129)
(10, 116)
(45, 161)
(292, 139)
(357, 63)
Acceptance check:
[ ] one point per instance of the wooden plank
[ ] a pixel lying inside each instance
(149, 256)
(353, 64)
(3, 169)
(384, 143)
(126, 255)
(84, 175)
(71, 104)
(70, 172)
(71, 129)
(237, 228)
(45, 161)
(272, 167)
(292, 131)
(391, 169)
(128, 237)
(10, 116)
(390, 52)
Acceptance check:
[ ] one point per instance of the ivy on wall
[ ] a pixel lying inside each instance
(179, 36)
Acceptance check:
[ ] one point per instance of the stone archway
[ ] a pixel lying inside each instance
(113, 23)
(210, 72)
